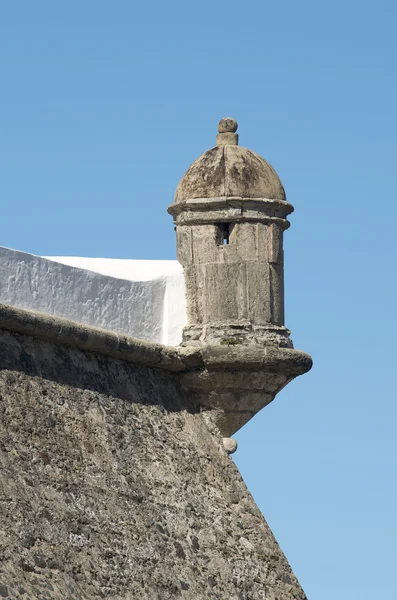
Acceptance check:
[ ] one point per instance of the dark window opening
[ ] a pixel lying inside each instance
(225, 228)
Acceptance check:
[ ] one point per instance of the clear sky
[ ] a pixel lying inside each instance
(103, 107)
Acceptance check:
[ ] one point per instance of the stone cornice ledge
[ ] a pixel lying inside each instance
(296, 362)
(234, 383)
(70, 333)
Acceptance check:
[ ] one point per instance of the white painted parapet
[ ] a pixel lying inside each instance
(141, 298)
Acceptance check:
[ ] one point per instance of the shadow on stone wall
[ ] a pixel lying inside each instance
(90, 371)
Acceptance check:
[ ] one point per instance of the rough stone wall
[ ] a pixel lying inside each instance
(113, 487)
(240, 280)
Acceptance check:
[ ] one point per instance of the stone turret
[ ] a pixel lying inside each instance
(230, 212)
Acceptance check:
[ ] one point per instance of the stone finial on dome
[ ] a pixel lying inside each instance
(227, 135)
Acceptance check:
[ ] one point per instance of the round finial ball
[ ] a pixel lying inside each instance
(229, 444)
(227, 125)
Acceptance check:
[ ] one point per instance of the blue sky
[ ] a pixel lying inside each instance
(103, 107)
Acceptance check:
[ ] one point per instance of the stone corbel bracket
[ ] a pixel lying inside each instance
(235, 383)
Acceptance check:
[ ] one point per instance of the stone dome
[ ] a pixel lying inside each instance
(228, 170)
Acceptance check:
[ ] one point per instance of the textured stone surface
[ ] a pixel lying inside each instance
(69, 333)
(112, 485)
(227, 139)
(241, 280)
(150, 309)
(229, 444)
(230, 170)
(227, 125)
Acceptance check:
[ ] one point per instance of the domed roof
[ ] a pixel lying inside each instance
(228, 170)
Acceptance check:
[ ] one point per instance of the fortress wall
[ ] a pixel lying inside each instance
(112, 486)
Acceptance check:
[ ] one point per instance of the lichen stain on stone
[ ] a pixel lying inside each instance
(230, 171)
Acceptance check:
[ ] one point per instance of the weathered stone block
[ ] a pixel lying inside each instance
(205, 240)
(262, 243)
(277, 294)
(184, 245)
(193, 297)
(224, 293)
(245, 239)
(275, 244)
(258, 292)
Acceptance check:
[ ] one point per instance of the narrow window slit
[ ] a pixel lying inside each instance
(225, 232)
